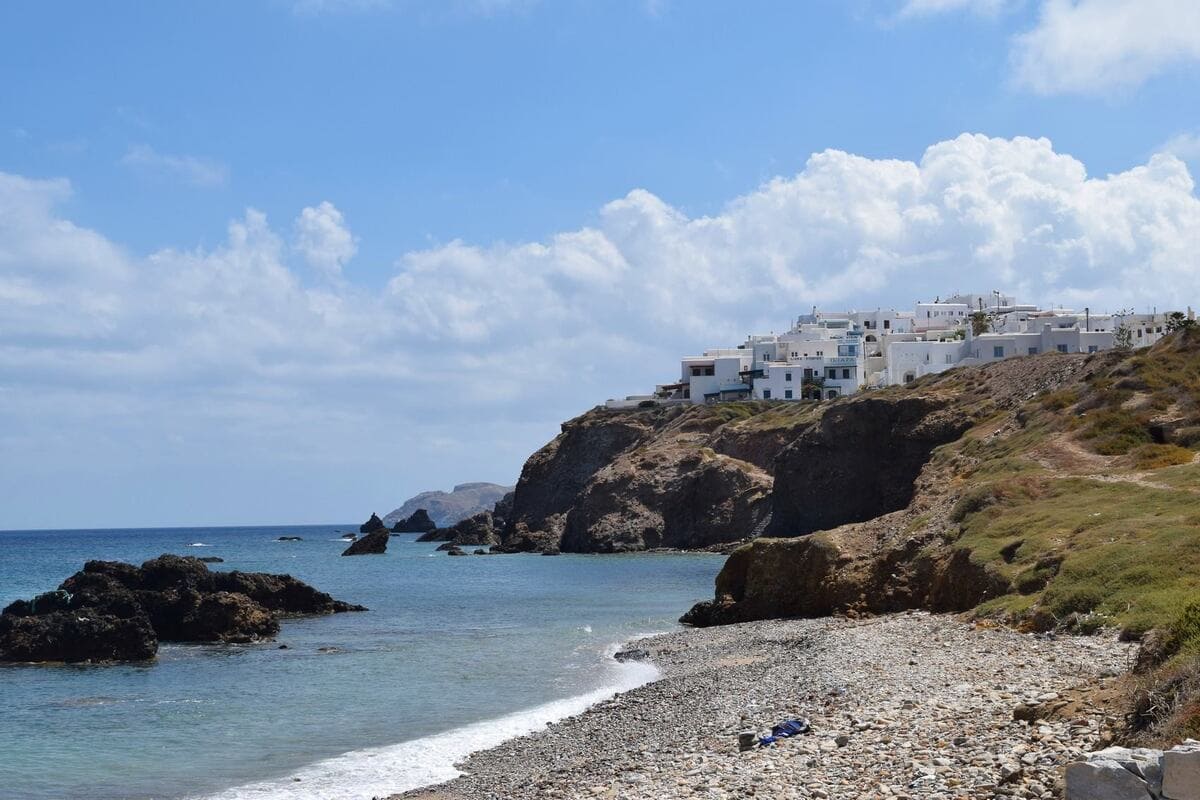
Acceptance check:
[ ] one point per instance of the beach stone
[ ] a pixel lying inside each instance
(747, 739)
(1181, 773)
(1103, 779)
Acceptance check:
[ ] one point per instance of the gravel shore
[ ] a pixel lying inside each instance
(903, 706)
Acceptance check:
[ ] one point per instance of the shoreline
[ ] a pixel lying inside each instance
(902, 706)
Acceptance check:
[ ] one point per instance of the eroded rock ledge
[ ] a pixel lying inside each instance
(113, 611)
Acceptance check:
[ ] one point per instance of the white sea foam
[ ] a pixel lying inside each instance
(199, 544)
(381, 771)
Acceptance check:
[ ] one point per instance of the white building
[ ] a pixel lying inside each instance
(828, 354)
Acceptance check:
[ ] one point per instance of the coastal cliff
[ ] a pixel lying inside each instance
(1055, 491)
(677, 477)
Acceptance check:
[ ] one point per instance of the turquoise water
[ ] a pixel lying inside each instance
(455, 654)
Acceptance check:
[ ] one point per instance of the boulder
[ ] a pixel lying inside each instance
(211, 560)
(455, 550)
(1181, 773)
(372, 525)
(1103, 779)
(111, 611)
(633, 654)
(480, 552)
(373, 543)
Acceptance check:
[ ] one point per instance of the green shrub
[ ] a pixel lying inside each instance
(1157, 456)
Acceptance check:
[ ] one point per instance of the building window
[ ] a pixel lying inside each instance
(808, 373)
(831, 394)
(887, 323)
(831, 374)
(820, 354)
(1062, 348)
(766, 394)
(845, 374)
(1033, 351)
(949, 358)
(787, 376)
(1092, 348)
(787, 394)
(998, 351)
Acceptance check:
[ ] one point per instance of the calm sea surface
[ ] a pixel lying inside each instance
(455, 654)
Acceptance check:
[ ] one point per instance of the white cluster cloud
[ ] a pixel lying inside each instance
(200, 172)
(323, 239)
(472, 354)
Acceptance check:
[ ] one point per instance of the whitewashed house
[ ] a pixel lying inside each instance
(829, 354)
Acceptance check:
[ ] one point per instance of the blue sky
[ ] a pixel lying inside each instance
(272, 261)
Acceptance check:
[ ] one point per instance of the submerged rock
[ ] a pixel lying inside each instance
(373, 543)
(112, 611)
(290, 539)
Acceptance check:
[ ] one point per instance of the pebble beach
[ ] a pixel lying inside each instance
(901, 706)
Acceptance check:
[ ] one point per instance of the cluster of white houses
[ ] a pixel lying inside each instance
(828, 354)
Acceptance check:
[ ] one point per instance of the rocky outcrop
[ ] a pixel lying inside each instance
(860, 460)
(447, 508)
(418, 522)
(112, 611)
(472, 531)
(372, 525)
(619, 481)
(373, 543)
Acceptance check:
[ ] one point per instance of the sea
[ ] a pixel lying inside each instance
(455, 655)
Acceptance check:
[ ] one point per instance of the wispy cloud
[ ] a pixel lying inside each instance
(315, 7)
(1096, 46)
(1184, 145)
(921, 8)
(201, 172)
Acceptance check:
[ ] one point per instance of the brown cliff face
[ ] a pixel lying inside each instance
(619, 481)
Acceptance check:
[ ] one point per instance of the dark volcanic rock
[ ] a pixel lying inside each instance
(476, 530)
(419, 522)
(111, 611)
(860, 461)
(212, 559)
(73, 637)
(373, 543)
(290, 539)
(455, 550)
(635, 654)
(372, 525)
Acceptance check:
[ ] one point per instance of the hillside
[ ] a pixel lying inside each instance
(447, 508)
(1068, 501)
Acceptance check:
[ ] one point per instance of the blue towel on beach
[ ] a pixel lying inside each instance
(784, 730)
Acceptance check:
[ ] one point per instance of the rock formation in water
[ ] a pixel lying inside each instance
(418, 522)
(372, 525)
(472, 531)
(373, 543)
(447, 508)
(112, 611)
